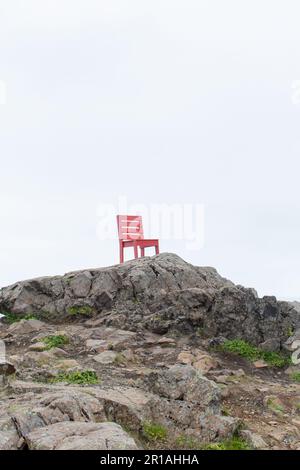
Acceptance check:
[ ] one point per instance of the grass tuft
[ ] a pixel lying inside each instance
(235, 443)
(11, 318)
(295, 376)
(154, 432)
(55, 341)
(86, 377)
(80, 310)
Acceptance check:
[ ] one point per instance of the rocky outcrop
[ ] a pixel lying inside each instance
(123, 358)
(162, 294)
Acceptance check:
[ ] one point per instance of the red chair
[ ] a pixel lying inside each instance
(130, 228)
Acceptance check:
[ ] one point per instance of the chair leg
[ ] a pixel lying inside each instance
(121, 253)
(142, 252)
(157, 249)
(136, 254)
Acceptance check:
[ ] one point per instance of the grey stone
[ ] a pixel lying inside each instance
(6, 368)
(106, 357)
(79, 435)
(254, 440)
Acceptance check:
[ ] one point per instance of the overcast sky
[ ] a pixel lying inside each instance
(160, 101)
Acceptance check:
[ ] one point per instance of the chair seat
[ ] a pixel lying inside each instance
(141, 242)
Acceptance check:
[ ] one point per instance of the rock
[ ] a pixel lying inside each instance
(9, 440)
(274, 404)
(25, 327)
(165, 341)
(183, 382)
(162, 294)
(81, 284)
(67, 364)
(215, 427)
(6, 368)
(260, 364)
(38, 347)
(185, 357)
(255, 441)
(78, 436)
(35, 358)
(292, 369)
(270, 345)
(96, 345)
(106, 357)
(205, 363)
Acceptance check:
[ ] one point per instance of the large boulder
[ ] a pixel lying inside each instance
(161, 293)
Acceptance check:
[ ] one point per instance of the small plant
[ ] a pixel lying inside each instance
(154, 432)
(235, 443)
(86, 377)
(55, 341)
(11, 318)
(253, 353)
(290, 331)
(80, 310)
(295, 376)
(225, 411)
(187, 442)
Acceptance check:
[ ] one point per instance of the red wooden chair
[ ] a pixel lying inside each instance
(131, 234)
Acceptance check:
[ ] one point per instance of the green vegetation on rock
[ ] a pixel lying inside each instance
(253, 353)
(295, 376)
(80, 310)
(13, 318)
(154, 432)
(55, 341)
(235, 443)
(85, 377)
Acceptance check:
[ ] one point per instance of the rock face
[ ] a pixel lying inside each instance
(161, 294)
(80, 436)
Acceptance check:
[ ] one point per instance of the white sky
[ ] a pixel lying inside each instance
(162, 101)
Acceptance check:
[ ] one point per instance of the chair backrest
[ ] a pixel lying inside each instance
(130, 227)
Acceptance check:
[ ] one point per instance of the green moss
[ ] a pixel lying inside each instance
(154, 432)
(55, 341)
(13, 318)
(235, 443)
(253, 353)
(80, 310)
(86, 377)
(295, 376)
